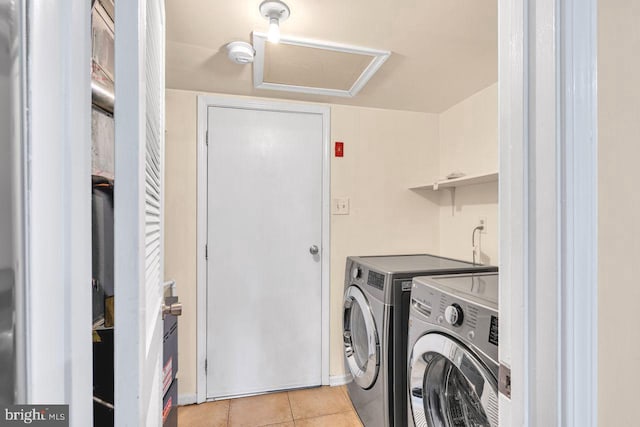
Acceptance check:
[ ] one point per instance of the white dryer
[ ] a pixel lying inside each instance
(453, 351)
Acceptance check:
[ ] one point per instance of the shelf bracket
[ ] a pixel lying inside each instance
(453, 200)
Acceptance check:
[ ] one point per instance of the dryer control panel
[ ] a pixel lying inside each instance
(369, 281)
(375, 279)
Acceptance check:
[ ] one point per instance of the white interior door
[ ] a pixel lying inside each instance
(264, 294)
(138, 191)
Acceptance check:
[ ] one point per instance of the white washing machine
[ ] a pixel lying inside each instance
(375, 325)
(453, 351)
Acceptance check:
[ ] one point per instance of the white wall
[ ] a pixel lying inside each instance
(619, 207)
(469, 144)
(180, 223)
(386, 152)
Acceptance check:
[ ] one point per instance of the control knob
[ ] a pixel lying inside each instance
(356, 273)
(453, 315)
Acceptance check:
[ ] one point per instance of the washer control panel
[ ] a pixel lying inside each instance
(454, 315)
(471, 322)
(493, 330)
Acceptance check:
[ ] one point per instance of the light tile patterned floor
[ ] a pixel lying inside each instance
(314, 407)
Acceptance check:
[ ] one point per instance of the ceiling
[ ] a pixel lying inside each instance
(442, 51)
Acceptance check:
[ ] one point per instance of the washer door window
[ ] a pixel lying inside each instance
(449, 386)
(361, 344)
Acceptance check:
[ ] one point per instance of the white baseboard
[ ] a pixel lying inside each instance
(336, 380)
(186, 399)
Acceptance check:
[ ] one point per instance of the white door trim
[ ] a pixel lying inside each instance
(56, 155)
(579, 316)
(204, 102)
(130, 139)
(548, 210)
(512, 212)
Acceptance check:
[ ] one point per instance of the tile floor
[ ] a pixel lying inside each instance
(314, 407)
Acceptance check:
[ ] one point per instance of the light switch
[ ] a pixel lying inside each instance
(340, 206)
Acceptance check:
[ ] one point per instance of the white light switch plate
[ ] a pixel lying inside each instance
(340, 206)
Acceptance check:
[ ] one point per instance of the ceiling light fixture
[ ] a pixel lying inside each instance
(276, 12)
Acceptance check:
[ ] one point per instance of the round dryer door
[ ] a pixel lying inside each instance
(361, 344)
(449, 386)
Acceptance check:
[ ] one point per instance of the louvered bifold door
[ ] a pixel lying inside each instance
(139, 117)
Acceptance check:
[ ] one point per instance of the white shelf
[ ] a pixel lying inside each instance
(459, 182)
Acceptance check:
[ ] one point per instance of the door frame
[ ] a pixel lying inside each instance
(53, 287)
(548, 211)
(203, 104)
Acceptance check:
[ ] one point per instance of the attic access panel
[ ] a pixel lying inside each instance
(312, 66)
